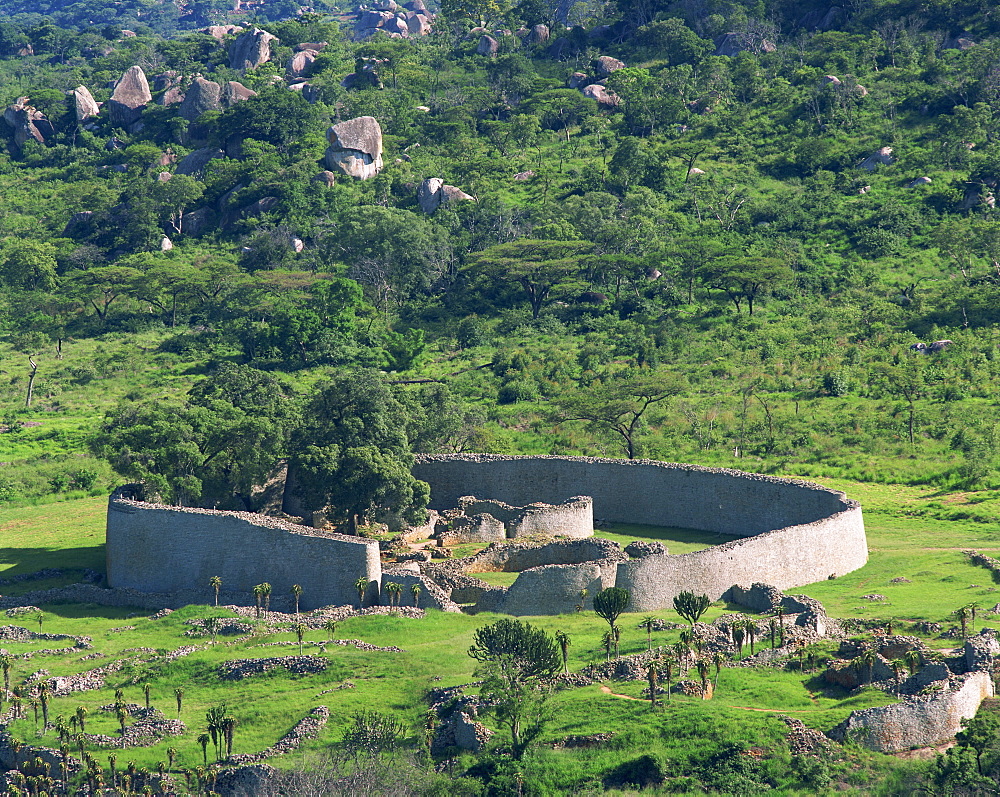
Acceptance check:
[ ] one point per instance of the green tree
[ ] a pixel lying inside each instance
(296, 593)
(27, 263)
(352, 456)
(610, 603)
(215, 582)
(690, 606)
(564, 642)
(544, 270)
(517, 663)
(746, 278)
(618, 405)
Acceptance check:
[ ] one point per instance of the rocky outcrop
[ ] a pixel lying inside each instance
(84, 105)
(393, 20)
(604, 97)
(355, 147)
(28, 123)
(487, 46)
(433, 193)
(195, 162)
(251, 49)
(201, 96)
(605, 65)
(539, 34)
(219, 32)
(880, 157)
(234, 92)
(130, 97)
(732, 44)
(238, 669)
(300, 64)
(920, 181)
(639, 548)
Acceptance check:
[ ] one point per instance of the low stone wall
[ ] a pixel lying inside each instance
(921, 721)
(156, 548)
(572, 518)
(793, 532)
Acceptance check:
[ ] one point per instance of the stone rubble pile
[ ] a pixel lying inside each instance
(306, 728)
(239, 669)
(225, 628)
(16, 633)
(149, 728)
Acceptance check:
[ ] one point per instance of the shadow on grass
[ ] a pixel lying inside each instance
(31, 560)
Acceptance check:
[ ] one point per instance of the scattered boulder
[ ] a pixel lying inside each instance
(355, 147)
(522, 177)
(130, 97)
(604, 97)
(196, 161)
(166, 244)
(830, 80)
(314, 46)
(487, 46)
(234, 92)
(880, 157)
(326, 177)
(919, 182)
(605, 65)
(732, 44)
(417, 23)
(202, 95)
(433, 193)
(694, 171)
(162, 177)
(28, 123)
(197, 221)
(539, 34)
(301, 63)
(577, 80)
(251, 49)
(172, 96)
(84, 104)
(219, 32)
(165, 80)
(78, 224)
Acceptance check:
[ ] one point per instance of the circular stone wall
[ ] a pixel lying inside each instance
(785, 532)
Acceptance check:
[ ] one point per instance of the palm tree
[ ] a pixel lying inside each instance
(212, 626)
(300, 632)
(179, 697)
(361, 585)
(912, 661)
(717, 661)
(962, 613)
(867, 659)
(751, 628)
(258, 594)
(41, 619)
(265, 589)
(296, 593)
(651, 677)
(215, 582)
(897, 667)
(171, 756)
(112, 760)
(648, 623)
(563, 639)
(121, 713)
(416, 589)
(739, 634)
(583, 598)
(668, 673)
(703, 666)
(146, 689)
(681, 651)
(43, 698)
(203, 741)
(616, 632)
(6, 662)
(81, 718)
(973, 608)
(772, 627)
(608, 640)
(330, 626)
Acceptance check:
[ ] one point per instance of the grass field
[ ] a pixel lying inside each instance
(69, 534)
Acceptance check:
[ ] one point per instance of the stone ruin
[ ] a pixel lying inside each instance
(476, 520)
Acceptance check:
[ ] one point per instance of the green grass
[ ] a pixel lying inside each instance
(677, 540)
(70, 534)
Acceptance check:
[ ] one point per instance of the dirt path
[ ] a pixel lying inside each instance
(607, 691)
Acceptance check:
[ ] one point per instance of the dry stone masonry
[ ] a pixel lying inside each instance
(782, 531)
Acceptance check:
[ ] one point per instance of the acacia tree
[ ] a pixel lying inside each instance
(544, 270)
(618, 405)
(517, 663)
